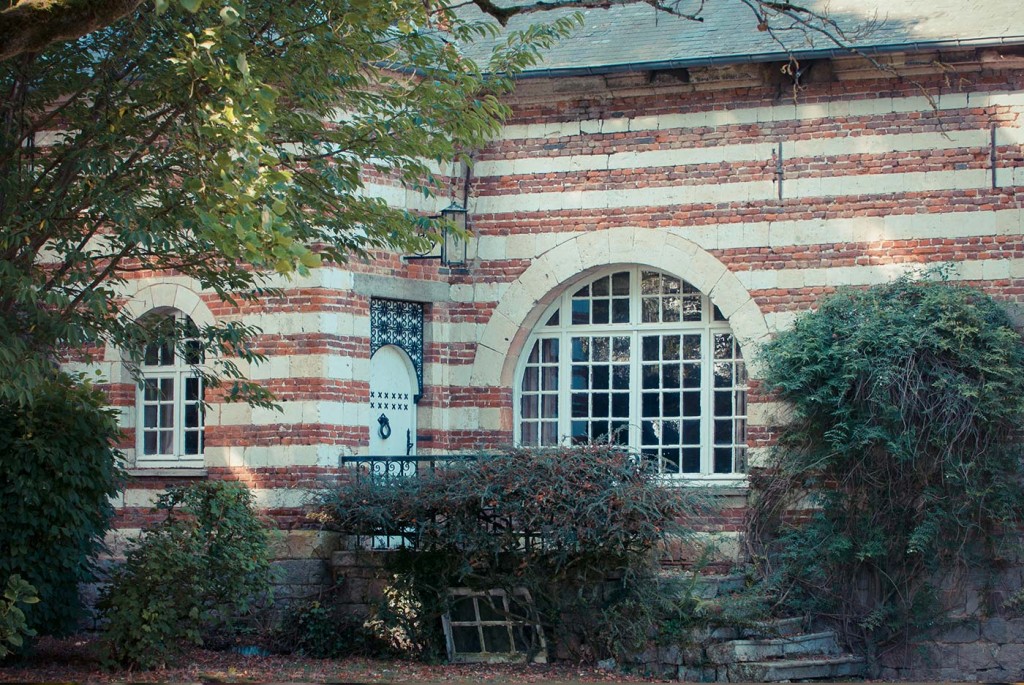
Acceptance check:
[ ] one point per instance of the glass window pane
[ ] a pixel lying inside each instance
(670, 309)
(620, 311)
(166, 417)
(723, 346)
(599, 288)
(492, 608)
(151, 356)
(166, 442)
(670, 461)
(531, 379)
(549, 406)
(620, 283)
(620, 378)
(691, 460)
(723, 374)
(529, 431)
(723, 432)
(723, 403)
(580, 349)
(650, 282)
(192, 389)
(530, 406)
(193, 352)
(600, 405)
(191, 442)
(599, 377)
(580, 405)
(691, 347)
(149, 442)
(670, 434)
(149, 416)
(466, 639)
(580, 312)
(649, 310)
(691, 432)
(651, 406)
(723, 460)
(670, 403)
(462, 609)
(649, 348)
(620, 349)
(670, 347)
(691, 404)
(549, 380)
(599, 351)
(192, 416)
(600, 312)
(620, 404)
(550, 354)
(549, 433)
(497, 639)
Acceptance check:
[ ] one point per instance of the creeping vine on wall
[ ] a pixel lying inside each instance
(905, 398)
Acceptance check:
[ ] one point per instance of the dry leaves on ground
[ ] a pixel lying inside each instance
(74, 659)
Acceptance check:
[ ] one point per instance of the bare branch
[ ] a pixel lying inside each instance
(503, 14)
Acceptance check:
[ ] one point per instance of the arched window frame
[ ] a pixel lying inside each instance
(550, 350)
(170, 414)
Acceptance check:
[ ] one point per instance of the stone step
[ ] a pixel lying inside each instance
(844, 666)
(711, 586)
(777, 627)
(808, 644)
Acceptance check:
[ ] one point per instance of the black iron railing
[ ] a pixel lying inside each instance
(385, 467)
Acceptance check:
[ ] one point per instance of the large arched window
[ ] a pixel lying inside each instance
(169, 402)
(643, 359)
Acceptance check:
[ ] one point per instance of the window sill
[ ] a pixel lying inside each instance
(169, 472)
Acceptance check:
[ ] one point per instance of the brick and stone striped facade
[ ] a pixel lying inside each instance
(763, 201)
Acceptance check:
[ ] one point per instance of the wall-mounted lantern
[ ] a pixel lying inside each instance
(454, 244)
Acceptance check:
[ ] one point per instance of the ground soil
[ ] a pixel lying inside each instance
(76, 659)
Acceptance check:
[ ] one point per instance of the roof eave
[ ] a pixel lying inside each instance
(763, 57)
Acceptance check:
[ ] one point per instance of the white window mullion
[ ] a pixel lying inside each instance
(707, 379)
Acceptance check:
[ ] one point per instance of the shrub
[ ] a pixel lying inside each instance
(905, 399)
(13, 626)
(580, 528)
(60, 472)
(323, 629)
(195, 573)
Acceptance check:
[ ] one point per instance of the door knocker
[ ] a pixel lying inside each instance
(384, 429)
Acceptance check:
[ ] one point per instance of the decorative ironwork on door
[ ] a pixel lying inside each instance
(399, 323)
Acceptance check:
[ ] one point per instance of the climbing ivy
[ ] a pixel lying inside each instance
(905, 401)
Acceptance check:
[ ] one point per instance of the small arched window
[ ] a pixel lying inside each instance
(643, 359)
(169, 402)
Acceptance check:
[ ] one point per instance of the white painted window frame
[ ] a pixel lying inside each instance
(565, 330)
(178, 372)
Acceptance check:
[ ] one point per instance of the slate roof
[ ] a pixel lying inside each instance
(636, 36)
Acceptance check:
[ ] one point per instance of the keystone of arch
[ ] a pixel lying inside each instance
(519, 309)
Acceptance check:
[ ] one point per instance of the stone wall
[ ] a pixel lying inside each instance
(976, 650)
